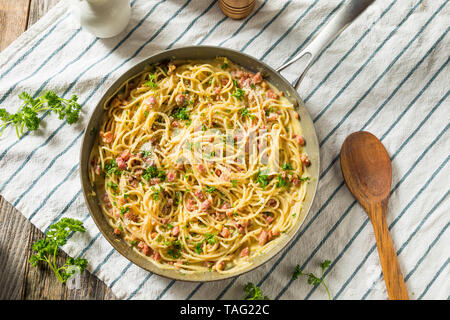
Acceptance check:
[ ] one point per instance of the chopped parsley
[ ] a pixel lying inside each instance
(287, 166)
(210, 238)
(181, 113)
(124, 210)
(238, 94)
(246, 113)
(112, 168)
(199, 248)
(209, 189)
(262, 179)
(152, 81)
(175, 248)
(282, 182)
(112, 185)
(145, 153)
(234, 183)
(153, 172)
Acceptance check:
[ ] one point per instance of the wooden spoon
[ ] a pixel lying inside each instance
(367, 171)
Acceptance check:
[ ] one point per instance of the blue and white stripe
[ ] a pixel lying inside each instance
(387, 73)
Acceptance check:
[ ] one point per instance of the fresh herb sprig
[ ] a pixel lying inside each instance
(47, 249)
(313, 279)
(253, 292)
(27, 115)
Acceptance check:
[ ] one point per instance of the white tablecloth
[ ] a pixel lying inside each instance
(387, 73)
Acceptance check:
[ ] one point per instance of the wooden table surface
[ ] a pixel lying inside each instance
(18, 279)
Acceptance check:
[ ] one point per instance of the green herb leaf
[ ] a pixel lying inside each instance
(253, 292)
(47, 248)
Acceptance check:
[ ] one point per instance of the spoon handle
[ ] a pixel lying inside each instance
(393, 277)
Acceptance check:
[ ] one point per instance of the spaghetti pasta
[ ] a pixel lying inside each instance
(200, 165)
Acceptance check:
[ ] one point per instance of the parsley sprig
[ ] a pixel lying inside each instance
(27, 115)
(47, 249)
(253, 292)
(313, 279)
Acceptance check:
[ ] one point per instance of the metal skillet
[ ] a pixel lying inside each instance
(343, 18)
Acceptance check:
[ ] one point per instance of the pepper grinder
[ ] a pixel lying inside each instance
(237, 9)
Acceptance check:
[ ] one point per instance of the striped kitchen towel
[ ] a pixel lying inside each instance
(387, 73)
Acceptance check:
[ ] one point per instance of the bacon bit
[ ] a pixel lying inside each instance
(299, 139)
(244, 252)
(156, 256)
(264, 85)
(170, 263)
(208, 264)
(171, 176)
(172, 68)
(126, 154)
(296, 115)
(199, 195)
(272, 202)
(201, 168)
(226, 206)
(174, 123)
(243, 223)
(257, 78)
(107, 137)
(176, 230)
(220, 265)
(180, 166)
(271, 94)
(245, 81)
(145, 249)
(122, 200)
(139, 172)
(218, 172)
(262, 238)
(97, 170)
(131, 216)
(190, 205)
(225, 232)
(220, 216)
(269, 219)
(180, 99)
(305, 160)
(106, 200)
(117, 231)
(272, 117)
(217, 90)
(164, 221)
(154, 181)
(275, 233)
(269, 235)
(151, 101)
(206, 205)
(121, 163)
(115, 103)
(224, 81)
(295, 181)
(134, 183)
(154, 235)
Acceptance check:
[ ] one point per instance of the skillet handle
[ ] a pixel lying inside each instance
(341, 20)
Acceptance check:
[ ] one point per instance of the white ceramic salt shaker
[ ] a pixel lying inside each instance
(102, 18)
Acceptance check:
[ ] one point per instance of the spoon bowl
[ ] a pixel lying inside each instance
(367, 170)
